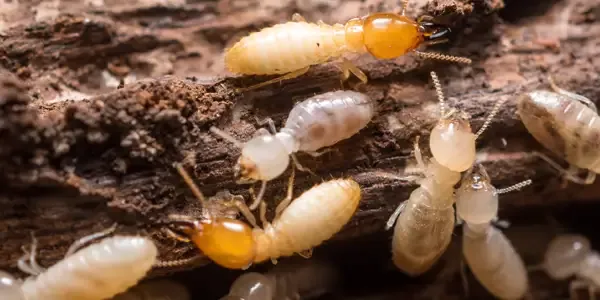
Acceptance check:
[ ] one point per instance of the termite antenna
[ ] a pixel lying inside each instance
(490, 117)
(175, 263)
(195, 190)
(224, 135)
(439, 56)
(440, 93)
(258, 198)
(514, 187)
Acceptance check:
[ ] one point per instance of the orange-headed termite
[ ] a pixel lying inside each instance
(566, 124)
(291, 48)
(299, 226)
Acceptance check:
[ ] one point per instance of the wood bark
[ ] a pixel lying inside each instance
(72, 168)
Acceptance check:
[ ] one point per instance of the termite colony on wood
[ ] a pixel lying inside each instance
(564, 122)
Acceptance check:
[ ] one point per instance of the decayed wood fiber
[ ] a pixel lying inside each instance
(74, 168)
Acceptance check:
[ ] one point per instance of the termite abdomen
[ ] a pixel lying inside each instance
(326, 119)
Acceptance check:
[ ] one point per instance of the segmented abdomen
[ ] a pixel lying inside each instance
(326, 119)
(284, 48)
(99, 271)
(565, 126)
(310, 219)
(421, 235)
(495, 263)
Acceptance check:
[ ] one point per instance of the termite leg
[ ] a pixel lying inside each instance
(268, 121)
(463, 277)
(258, 198)
(503, 224)
(31, 267)
(306, 253)
(419, 155)
(404, 6)
(390, 222)
(572, 95)
(86, 239)
(568, 174)
(296, 17)
(224, 135)
(348, 67)
(299, 166)
(176, 236)
(575, 285)
(287, 76)
(263, 214)
(243, 208)
(319, 153)
(290, 190)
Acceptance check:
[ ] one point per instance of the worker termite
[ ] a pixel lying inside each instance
(10, 287)
(568, 125)
(312, 124)
(424, 223)
(571, 254)
(291, 48)
(302, 280)
(96, 272)
(156, 290)
(312, 218)
(488, 253)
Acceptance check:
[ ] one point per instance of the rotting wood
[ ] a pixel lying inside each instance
(71, 169)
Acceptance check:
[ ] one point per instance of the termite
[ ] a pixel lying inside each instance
(302, 280)
(291, 48)
(156, 290)
(315, 123)
(310, 219)
(10, 287)
(488, 253)
(571, 255)
(424, 223)
(99, 271)
(568, 125)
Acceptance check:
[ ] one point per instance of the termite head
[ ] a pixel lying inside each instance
(477, 199)
(433, 33)
(251, 286)
(263, 158)
(388, 35)
(229, 243)
(565, 255)
(452, 142)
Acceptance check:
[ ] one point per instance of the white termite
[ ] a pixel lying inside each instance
(296, 280)
(488, 253)
(10, 287)
(96, 272)
(315, 123)
(156, 290)
(568, 125)
(571, 255)
(424, 223)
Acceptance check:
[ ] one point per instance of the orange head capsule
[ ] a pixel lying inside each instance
(227, 242)
(389, 35)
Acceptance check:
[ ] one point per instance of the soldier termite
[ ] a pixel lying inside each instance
(488, 253)
(291, 48)
(156, 290)
(312, 218)
(96, 272)
(312, 124)
(568, 125)
(424, 223)
(571, 255)
(298, 280)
